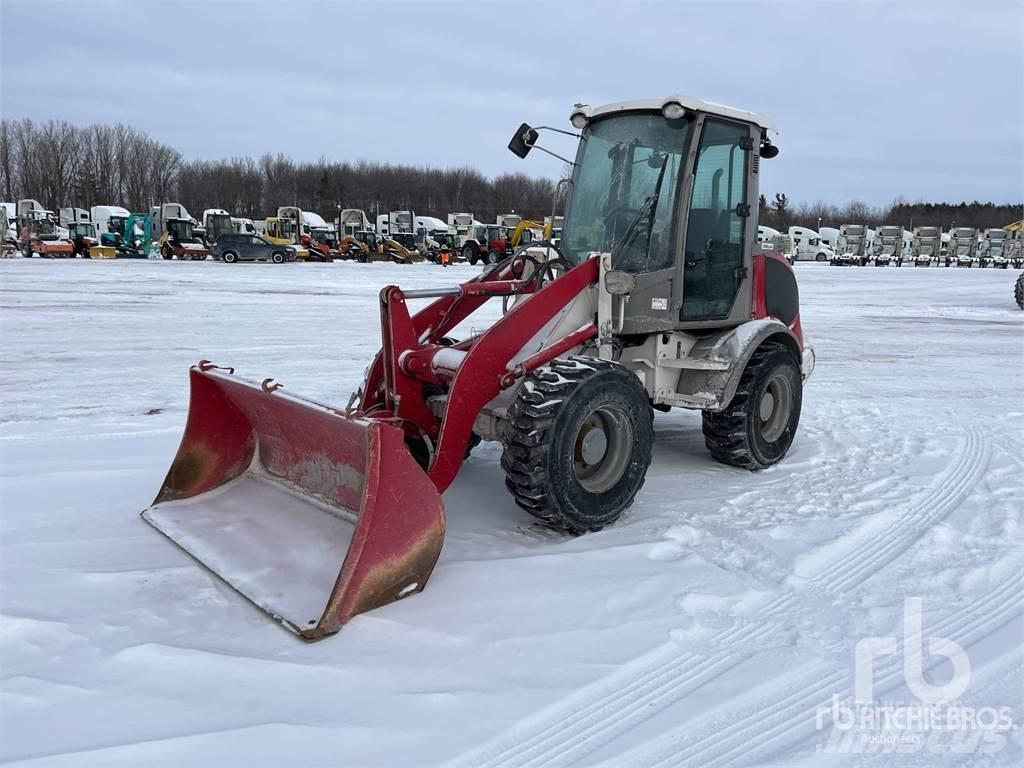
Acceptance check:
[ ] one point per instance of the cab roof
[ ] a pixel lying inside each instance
(689, 102)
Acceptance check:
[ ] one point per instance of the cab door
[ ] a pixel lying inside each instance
(713, 259)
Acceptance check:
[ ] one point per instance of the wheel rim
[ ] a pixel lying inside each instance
(774, 408)
(492, 258)
(602, 449)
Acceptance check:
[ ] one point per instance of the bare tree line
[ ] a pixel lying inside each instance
(780, 214)
(60, 164)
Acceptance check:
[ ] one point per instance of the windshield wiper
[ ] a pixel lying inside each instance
(648, 207)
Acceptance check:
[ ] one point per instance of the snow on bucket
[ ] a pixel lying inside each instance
(312, 515)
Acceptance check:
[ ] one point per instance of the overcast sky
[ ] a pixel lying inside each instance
(874, 100)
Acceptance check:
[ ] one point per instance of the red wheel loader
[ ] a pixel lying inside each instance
(655, 297)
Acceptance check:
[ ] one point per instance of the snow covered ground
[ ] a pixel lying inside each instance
(708, 627)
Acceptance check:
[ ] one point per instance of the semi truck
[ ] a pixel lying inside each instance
(352, 220)
(1015, 247)
(109, 222)
(829, 236)
(852, 246)
(396, 223)
(770, 239)
(460, 226)
(243, 226)
(993, 251)
(926, 246)
(807, 245)
(962, 250)
(888, 246)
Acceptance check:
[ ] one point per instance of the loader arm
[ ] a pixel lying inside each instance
(393, 390)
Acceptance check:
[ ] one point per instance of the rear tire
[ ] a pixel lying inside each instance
(1018, 290)
(230, 257)
(469, 254)
(578, 443)
(278, 258)
(757, 428)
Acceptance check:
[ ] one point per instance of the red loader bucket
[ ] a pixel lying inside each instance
(312, 515)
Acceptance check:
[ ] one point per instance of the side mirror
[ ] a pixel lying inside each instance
(768, 151)
(617, 282)
(523, 141)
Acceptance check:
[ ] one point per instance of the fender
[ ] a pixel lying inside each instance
(717, 362)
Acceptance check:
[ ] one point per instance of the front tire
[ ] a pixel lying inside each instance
(757, 428)
(578, 443)
(278, 258)
(1018, 290)
(493, 257)
(230, 257)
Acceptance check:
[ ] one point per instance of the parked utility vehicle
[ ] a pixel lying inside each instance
(38, 234)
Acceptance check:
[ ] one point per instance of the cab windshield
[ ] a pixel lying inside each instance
(180, 230)
(623, 190)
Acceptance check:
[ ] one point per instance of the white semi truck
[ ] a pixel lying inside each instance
(830, 237)
(396, 223)
(352, 220)
(962, 250)
(993, 248)
(772, 240)
(243, 226)
(109, 221)
(852, 246)
(926, 246)
(460, 226)
(888, 246)
(807, 245)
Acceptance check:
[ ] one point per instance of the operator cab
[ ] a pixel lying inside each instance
(669, 188)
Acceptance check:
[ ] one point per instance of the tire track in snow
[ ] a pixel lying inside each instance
(594, 715)
(746, 739)
(967, 626)
(879, 550)
(580, 723)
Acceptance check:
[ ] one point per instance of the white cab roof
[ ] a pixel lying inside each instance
(687, 101)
